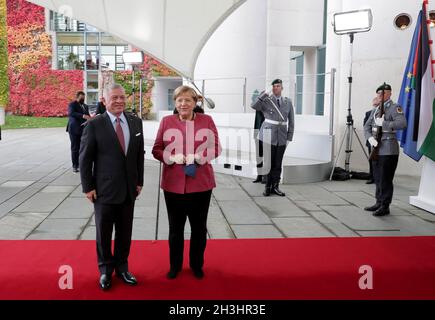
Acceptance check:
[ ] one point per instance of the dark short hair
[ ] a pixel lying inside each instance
(277, 81)
(80, 93)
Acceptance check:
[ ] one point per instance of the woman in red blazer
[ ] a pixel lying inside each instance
(186, 143)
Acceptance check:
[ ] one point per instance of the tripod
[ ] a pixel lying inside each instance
(350, 129)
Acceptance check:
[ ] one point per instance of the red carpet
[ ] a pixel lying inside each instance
(404, 268)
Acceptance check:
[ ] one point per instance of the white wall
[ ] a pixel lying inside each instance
(379, 55)
(295, 23)
(236, 50)
(160, 93)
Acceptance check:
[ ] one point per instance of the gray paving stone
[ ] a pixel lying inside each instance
(357, 219)
(253, 189)
(340, 230)
(77, 193)
(89, 233)
(243, 212)
(323, 217)
(301, 228)
(346, 186)
(65, 229)
(58, 189)
(276, 207)
(18, 225)
(222, 194)
(73, 208)
(256, 232)
(385, 233)
(42, 202)
(217, 226)
(144, 229)
(357, 198)
(16, 184)
(424, 215)
(307, 205)
(320, 196)
(67, 179)
(7, 193)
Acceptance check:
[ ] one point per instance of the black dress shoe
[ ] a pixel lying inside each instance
(382, 211)
(198, 273)
(258, 180)
(371, 181)
(105, 281)
(172, 274)
(373, 208)
(267, 191)
(128, 278)
(75, 170)
(275, 190)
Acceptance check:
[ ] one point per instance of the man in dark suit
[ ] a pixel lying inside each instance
(101, 106)
(111, 169)
(78, 114)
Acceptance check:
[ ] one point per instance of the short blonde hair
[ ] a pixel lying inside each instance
(185, 89)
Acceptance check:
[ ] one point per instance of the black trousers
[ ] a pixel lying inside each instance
(276, 156)
(259, 155)
(370, 163)
(383, 171)
(107, 216)
(75, 148)
(180, 207)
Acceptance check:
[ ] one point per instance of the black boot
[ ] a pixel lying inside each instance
(382, 211)
(275, 190)
(373, 208)
(267, 191)
(258, 180)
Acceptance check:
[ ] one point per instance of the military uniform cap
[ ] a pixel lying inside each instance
(384, 87)
(277, 81)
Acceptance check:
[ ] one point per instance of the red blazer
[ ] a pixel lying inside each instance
(174, 137)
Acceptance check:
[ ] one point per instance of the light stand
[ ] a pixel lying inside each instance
(345, 24)
(133, 58)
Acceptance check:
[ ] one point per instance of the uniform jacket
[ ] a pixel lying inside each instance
(277, 135)
(394, 120)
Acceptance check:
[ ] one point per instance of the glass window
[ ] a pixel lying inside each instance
(92, 80)
(106, 50)
(70, 57)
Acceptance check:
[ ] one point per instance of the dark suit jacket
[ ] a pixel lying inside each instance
(366, 118)
(75, 115)
(101, 108)
(104, 166)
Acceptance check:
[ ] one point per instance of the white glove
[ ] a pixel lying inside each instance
(263, 95)
(379, 121)
(373, 142)
(178, 158)
(190, 159)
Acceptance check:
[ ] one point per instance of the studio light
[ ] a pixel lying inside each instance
(349, 23)
(132, 57)
(353, 21)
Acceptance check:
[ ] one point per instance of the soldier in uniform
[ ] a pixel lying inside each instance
(385, 167)
(275, 133)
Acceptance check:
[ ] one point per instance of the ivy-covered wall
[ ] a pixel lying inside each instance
(4, 81)
(35, 89)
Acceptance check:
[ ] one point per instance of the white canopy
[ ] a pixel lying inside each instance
(172, 31)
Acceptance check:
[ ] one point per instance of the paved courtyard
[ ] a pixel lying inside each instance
(40, 198)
